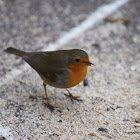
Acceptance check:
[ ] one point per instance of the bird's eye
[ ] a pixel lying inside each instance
(77, 60)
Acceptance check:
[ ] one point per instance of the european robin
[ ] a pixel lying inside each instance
(60, 69)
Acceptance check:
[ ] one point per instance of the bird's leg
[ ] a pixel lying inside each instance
(48, 104)
(73, 97)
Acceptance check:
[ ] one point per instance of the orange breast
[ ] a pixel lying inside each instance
(76, 75)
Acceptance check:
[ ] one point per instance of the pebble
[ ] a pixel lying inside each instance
(60, 121)
(137, 125)
(2, 138)
(102, 129)
(97, 45)
(118, 107)
(78, 110)
(126, 120)
(112, 108)
(137, 120)
(32, 97)
(108, 109)
(135, 132)
(92, 134)
(85, 82)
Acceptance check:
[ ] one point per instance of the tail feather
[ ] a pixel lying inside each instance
(16, 51)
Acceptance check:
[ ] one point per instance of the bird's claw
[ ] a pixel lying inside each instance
(77, 98)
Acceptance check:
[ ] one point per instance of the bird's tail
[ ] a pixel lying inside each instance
(16, 52)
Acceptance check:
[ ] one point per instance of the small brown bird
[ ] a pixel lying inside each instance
(60, 69)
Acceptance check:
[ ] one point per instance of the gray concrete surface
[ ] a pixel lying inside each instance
(111, 107)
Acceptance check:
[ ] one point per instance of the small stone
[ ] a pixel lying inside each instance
(32, 97)
(92, 134)
(60, 111)
(77, 110)
(109, 136)
(85, 82)
(60, 121)
(2, 138)
(135, 132)
(118, 106)
(23, 121)
(126, 120)
(96, 45)
(137, 125)
(134, 106)
(108, 109)
(102, 129)
(56, 134)
(112, 108)
(137, 120)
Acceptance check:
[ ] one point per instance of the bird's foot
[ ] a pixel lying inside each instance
(77, 98)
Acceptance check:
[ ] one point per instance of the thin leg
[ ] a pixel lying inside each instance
(73, 97)
(48, 104)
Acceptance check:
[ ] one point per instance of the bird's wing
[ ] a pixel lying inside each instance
(44, 62)
(47, 66)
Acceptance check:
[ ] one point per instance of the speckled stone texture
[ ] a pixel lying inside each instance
(111, 106)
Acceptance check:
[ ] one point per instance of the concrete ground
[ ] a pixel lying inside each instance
(111, 97)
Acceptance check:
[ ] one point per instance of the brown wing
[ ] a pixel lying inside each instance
(54, 71)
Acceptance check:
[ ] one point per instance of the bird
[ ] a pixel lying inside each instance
(60, 68)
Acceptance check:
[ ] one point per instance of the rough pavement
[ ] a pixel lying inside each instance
(111, 107)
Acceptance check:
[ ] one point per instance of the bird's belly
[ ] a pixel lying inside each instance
(58, 81)
(75, 78)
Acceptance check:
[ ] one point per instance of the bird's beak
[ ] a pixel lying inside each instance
(88, 63)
